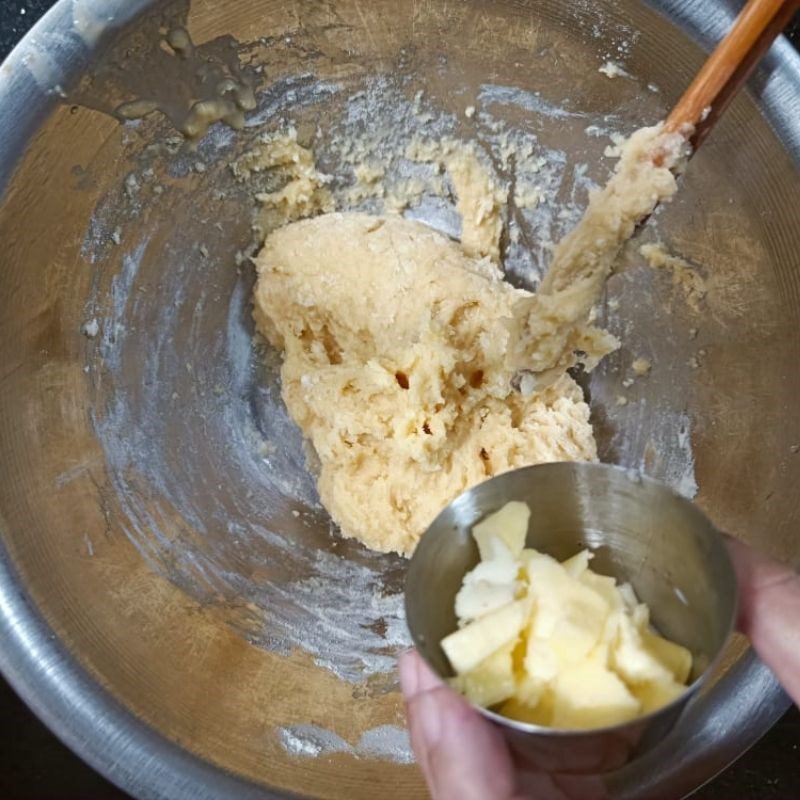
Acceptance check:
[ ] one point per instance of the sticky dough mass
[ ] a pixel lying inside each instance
(394, 346)
(400, 345)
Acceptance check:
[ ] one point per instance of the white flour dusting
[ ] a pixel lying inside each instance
(679, 468)
(386, 742)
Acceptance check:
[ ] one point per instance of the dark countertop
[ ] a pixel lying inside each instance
(16, 16)
(34, 765)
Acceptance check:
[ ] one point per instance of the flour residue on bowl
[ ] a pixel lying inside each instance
(386, 742)
(209, 476)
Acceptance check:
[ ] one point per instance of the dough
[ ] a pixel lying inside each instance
(480, 200)
(394, 342)
(401, 347)
(552, 326)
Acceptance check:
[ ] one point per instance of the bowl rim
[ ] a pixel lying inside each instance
(89, 720)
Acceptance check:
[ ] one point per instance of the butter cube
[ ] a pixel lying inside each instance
(478, 598)
(541, 662)
(603, 585)
(628, 596)
(491, 682)
(640, 616)
(609, 636)
(489, 586)
(540, 714)
(677, 659)
(632, 660)
(539, 568)
(501, 568)
(568, 615)
(589, 695)
(470, 645)
(508, 525)
(653, 696)
(529, 690)
(601, 653)
(583, 618)
(578, 564)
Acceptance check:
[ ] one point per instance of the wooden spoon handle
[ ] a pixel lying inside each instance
(728, 67)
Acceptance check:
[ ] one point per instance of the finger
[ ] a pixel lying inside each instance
(410, 684)
(769, 614)
(461, 754)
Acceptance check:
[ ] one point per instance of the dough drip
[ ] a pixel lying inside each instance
(551, 331)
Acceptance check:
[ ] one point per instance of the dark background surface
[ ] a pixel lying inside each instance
(34, 765)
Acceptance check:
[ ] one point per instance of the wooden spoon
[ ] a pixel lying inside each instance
(728, 67)
(585, 256)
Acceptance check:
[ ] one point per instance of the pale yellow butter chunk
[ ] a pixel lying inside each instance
(627, 595)
(509, 525)
(632, 660)
(480, 597)
(491, 682)
(556, 644)
(578, 632)
(568, 627)
(492, 584)
(541, 662)
(589, 695)
(467, 647)
(530, 690)
(569, 617)
(653, 696)
(677, 659)
(578, 564)
(540, 714)
(605, 586)
(536, 563)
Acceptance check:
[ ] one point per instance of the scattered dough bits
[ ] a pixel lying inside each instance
(303, 189)
(613, 70)
(556, 644)
(685, 276)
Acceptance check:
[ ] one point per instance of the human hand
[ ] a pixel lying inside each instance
(463, 756)
(769, 612)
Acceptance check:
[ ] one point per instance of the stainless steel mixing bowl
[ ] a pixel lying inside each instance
(172, 600)
(639, 531)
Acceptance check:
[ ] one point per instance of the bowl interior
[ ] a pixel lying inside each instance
(156, 511)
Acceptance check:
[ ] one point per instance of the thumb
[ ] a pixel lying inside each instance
(461, 754)
(769, 615)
